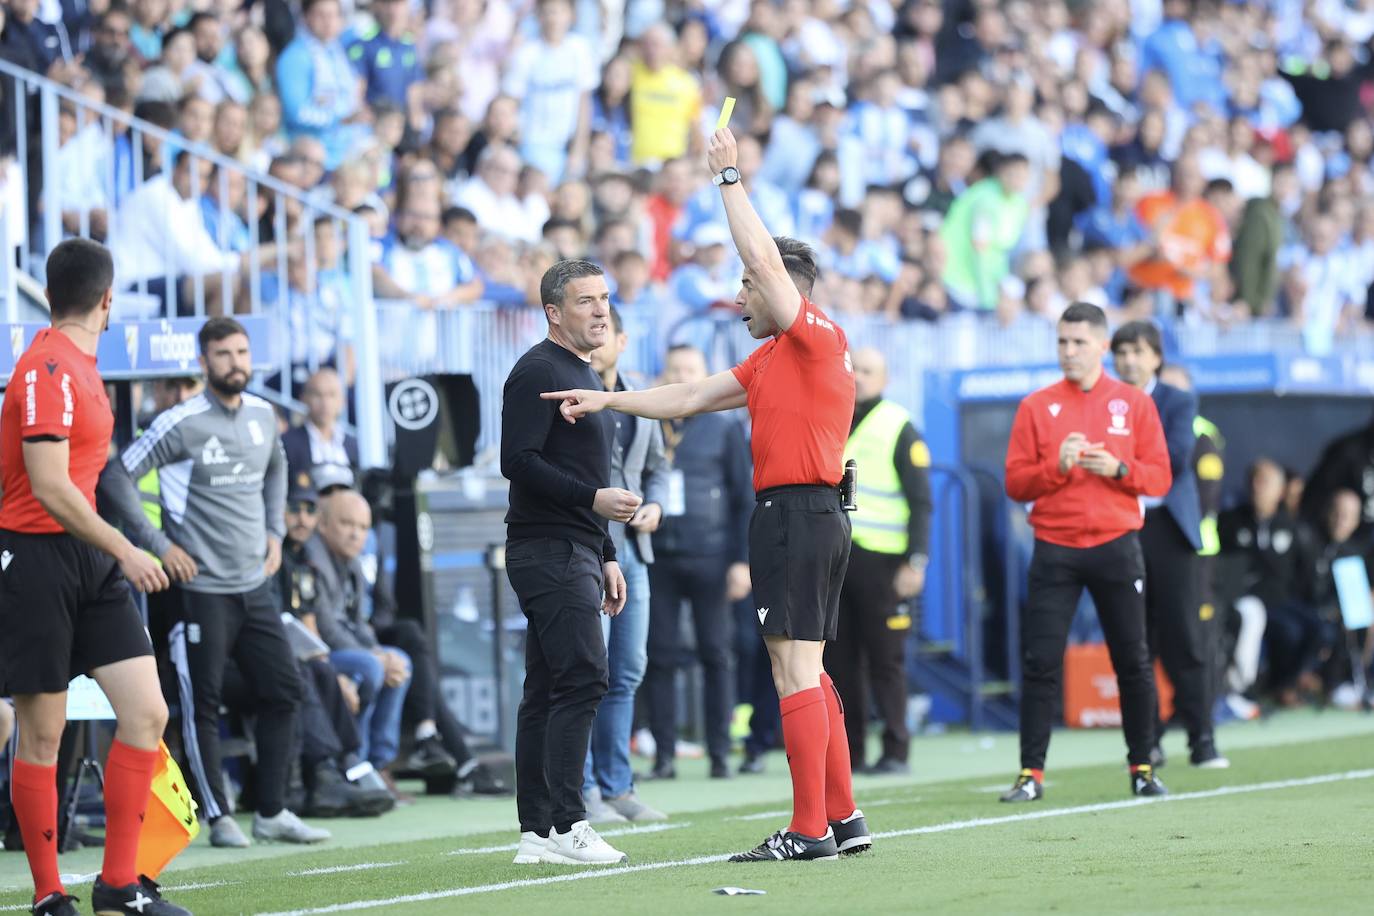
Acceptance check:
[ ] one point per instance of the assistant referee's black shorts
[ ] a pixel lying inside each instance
(798, 552)
(65, 609)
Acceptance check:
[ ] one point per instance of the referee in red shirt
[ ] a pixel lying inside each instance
(66, 608)
(799, 388)
(1084, 450)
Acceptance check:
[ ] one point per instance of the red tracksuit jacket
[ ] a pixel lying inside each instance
(1081, 509)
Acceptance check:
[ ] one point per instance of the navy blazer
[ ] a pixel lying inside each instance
(1177, 408)
(296, 443)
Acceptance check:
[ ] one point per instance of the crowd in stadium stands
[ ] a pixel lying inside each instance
(1188, 157)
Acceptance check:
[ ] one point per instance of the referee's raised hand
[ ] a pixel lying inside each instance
(578, 402)
(142, 571)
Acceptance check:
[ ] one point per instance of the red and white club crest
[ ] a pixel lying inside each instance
(1118, 408)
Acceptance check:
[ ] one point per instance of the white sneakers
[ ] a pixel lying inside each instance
(581, 845)
(531, 851)
(285, 827)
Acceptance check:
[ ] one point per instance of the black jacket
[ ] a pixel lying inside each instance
(1263, 560)
(1346, 464)
(711, 453)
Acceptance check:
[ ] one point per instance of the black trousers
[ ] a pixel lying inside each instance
(1178, 635)
(424, 701)
(1114, 574)
(700, 581)
(869, 651)
(246, 627)
(328, 729)
(559, 584)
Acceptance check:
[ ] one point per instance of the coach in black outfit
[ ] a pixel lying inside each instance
(560, 559)
(1171, 539)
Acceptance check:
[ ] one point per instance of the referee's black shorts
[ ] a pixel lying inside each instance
(65, 609)
(798, 552)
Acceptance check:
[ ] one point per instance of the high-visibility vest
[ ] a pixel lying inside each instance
(880, 524)
(150, 492)
(1210, 468)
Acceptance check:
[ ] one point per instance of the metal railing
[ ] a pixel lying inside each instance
(311, 295)
(485, 341)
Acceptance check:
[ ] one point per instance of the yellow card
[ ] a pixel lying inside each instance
(725, 111)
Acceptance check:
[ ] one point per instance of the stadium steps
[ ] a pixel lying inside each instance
(986, 704)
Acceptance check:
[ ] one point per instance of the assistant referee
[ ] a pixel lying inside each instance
(1084, 450)
(65, 604)
(799, 388)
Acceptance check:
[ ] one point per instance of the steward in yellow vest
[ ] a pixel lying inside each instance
(887, 565)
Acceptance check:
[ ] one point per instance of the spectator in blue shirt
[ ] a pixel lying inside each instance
(1086, 143)
(48, 43)
(420, 265)
(611, 107)
(221, 211)
(385, 56)
(1194, 68)
(321, 95)
(1116, 228)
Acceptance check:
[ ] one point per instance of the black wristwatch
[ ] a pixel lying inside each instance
(728, 175)
(1122, 469)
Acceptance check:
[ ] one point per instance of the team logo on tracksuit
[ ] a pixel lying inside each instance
(1118, 408)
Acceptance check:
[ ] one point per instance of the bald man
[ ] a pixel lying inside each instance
(382, 651)
(887, 565)
(320, 439)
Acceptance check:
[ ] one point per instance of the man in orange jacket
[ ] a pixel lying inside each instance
(1083, 451)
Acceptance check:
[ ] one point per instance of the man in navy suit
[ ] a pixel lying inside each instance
(1171, 540)
(320, 440)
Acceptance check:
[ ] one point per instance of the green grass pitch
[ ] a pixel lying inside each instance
(1289, 828)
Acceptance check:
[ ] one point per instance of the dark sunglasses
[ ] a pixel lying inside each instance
(301, 507)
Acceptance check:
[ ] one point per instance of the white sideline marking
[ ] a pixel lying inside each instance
(933, 828)
(783, 812)
(202, 885)
(623, 831)
(336, 869)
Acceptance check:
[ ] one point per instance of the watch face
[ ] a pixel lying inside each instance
(730, 173)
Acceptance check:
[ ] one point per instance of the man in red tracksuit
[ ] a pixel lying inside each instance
(1083, 451)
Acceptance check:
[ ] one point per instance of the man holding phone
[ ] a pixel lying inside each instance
(1084, 450)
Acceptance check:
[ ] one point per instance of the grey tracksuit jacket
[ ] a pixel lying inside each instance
(222, 475)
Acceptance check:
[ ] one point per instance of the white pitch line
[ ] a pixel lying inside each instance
(336, 869)
(1129, 803)
(623, 831)
(199, 886)
(933, 828)
(783, 812)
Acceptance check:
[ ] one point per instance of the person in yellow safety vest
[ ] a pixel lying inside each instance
(887, 563)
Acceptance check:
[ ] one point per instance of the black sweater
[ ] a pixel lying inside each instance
(554, 467)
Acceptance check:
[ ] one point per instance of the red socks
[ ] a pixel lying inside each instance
(839, 783)
(805, 734)
(128, 776)
(33, 792)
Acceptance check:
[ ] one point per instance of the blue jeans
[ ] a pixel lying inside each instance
(379, 718)
(627, 650)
